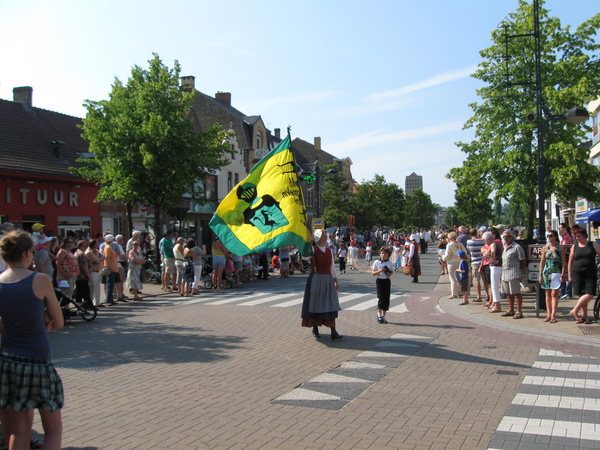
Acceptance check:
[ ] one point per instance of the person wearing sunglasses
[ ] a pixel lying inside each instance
(553, 269)
(583, 273)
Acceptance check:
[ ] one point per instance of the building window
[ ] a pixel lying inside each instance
(236, 179)
(210, 188)
(232, 151)
(77, 226)
(258, 139)
(229, 181)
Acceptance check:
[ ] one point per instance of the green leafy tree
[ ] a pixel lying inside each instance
(473, 207)
(419, 210)
(450, 219)
(515, 213)
(378, 204)
(146, 149)
(337, 195)
(503, 156)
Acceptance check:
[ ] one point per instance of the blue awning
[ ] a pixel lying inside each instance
(590, 216)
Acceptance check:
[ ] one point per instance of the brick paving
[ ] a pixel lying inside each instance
(200, 376)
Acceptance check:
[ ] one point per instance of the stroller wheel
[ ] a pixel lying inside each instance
(208, 284)
(88, 314)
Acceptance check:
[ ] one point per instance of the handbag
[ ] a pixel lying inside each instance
(406, 270)
(105, 271)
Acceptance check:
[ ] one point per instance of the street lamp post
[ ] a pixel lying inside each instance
(574, 115)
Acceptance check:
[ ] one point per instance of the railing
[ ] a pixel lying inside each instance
(260, 153)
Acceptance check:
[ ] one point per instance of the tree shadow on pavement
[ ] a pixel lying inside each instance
(414, 347)
(115, 336)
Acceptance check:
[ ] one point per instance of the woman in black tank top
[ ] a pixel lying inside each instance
(583, 273)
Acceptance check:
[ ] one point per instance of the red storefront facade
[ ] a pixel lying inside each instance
(60, 203)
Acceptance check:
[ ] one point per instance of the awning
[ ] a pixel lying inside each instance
(590, 216)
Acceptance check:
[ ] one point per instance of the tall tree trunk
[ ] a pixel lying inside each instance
(130, 218)
(157, 234)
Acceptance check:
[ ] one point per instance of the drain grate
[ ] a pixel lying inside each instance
(92, 363)
(590, 331)
(507, 372)
(492, 347)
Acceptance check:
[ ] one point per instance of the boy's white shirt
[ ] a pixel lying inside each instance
(378, 265)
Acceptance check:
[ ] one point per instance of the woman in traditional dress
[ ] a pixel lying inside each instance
(554, 267)
(414, 261)
(321, 303)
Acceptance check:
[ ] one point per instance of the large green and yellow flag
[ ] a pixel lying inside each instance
(266, 210)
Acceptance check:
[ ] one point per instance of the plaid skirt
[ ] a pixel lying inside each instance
(27, 383)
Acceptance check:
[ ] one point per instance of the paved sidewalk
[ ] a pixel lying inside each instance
(564, 328)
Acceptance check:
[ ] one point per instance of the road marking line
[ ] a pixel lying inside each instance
(562, 382)
(556, 401)
(335, 378)
(360, 365)
(299, 301)
(401, 308)
(306, 394)
(267, 300)
(548, 427)
(373, 354)
(566, 366)
(409, 336)
(369, 304)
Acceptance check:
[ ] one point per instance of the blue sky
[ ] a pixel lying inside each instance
(385, 83)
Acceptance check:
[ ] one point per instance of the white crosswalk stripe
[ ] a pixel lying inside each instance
(575, 384)
(268, 299)
(359, 301)
(369, 304)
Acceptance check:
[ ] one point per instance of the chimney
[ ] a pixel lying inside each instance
(317, 143)
(277, 133)
(23, 95)
(188, 83)
(224, 97)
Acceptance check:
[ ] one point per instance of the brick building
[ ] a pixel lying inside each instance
(37, 147)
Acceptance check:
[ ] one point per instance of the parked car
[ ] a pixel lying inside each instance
(343, 230)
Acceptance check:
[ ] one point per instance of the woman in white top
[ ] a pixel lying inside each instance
(453, 262)
(178, 252)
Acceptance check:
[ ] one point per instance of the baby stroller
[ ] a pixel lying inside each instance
(70, 308)
(296, 262)
(207, 267)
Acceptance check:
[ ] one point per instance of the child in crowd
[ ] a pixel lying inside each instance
(397, 255)
(38, 233)
(462, 275)
(369, 252)
(382, 269)
(353, 253)
(342, 252)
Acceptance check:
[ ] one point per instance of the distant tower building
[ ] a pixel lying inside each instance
(413, 181)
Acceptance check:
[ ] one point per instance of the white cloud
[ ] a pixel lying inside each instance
(434, 81)
(380, 137)
(289, 100)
